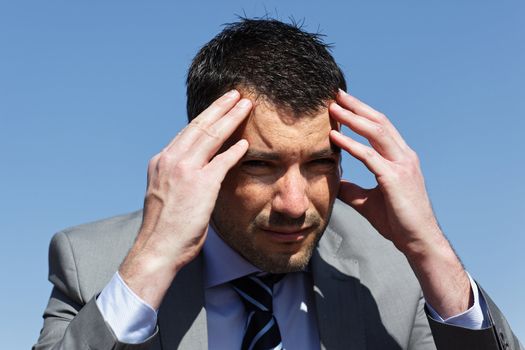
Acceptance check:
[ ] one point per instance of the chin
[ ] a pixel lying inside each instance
(281, 258)
(273, 262)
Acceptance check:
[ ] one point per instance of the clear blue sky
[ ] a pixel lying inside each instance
(89, 91)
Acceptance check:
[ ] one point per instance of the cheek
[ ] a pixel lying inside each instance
(253, 196)
(245, 194)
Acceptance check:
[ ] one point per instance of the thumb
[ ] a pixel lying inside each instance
(352, 194)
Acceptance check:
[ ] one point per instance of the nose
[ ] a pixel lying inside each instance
(291, 198)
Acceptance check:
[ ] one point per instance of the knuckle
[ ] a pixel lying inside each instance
(413, 156)
(152, 164)
(210, 131)
(182, 166)
(164, 161)
(381, 117)
(180, 172)
(213, 132)
(369, 153)
(411, 159)
(196, 123)
(380, 130)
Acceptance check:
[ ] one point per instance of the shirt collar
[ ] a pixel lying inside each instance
(221, 263)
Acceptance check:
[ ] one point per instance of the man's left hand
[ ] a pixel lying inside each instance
(399, 207)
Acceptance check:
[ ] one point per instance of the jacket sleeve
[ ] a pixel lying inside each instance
(69, 321)
(499, 336)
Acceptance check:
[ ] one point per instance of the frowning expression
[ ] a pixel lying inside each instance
(274, 205)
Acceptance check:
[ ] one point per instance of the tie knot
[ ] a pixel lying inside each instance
(256, 292)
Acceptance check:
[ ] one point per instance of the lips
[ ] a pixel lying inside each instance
(286, 234)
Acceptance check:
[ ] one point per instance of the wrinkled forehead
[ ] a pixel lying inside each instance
(271, 128)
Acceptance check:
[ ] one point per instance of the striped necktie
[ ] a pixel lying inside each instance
(256, 292)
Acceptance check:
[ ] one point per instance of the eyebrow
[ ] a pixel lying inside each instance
(253, 153)
(275, 156)
(327, 152)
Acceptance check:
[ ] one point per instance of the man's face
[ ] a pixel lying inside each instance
(275, 203)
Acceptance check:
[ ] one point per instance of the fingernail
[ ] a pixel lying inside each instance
(231, 93)
(244, 103)
(342, 92)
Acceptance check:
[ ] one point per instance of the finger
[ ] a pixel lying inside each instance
(213, 137)
(352, 194)
(360, 108)
(365, 202)
(367, 155)
(379, 137)
(222, 163)
(210, 115)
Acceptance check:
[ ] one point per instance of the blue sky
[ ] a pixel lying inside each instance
(89, 91)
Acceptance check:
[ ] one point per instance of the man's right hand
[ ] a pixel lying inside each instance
(183, 183)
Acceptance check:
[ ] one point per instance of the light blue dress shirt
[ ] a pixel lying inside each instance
(293, 302)
(133, 321)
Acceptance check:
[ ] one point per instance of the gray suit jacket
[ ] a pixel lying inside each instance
(366, 294)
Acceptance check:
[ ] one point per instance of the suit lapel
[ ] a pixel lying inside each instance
(182, 317)
(337, 293)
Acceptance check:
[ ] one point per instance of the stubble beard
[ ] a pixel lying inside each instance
(243, 242)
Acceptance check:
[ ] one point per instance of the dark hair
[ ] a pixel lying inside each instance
(289, 67)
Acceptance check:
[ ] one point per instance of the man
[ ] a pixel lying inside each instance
(234, 248)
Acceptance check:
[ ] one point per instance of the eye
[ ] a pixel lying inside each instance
(323, 161)
(256, 164)
(255, 167)
(322, 166)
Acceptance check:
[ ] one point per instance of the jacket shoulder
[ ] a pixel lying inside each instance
(83, 258)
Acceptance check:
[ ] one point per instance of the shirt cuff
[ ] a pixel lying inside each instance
(131, 319)
(476, 317)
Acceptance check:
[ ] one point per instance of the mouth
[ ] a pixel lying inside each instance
(287, 235)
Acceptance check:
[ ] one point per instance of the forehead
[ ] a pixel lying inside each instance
(269, 128)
